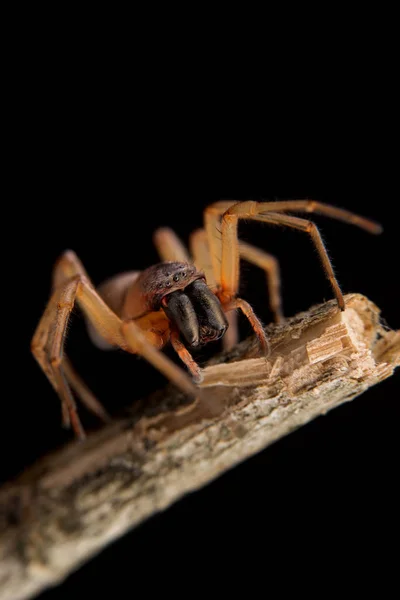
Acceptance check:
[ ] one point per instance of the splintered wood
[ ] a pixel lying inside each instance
(58, 514)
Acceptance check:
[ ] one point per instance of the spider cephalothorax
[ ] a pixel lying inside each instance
(155, 283)
(184, 295)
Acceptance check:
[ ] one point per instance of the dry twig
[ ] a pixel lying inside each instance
(57, 514)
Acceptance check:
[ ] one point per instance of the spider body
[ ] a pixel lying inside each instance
(187, 300)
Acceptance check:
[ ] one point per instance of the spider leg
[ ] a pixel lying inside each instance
(212, 223)
(230, 249)
(68, 265)
(312, 206)
(227, 268)
(47, 346)
(39, 344)
(253, 320)
(169, 246)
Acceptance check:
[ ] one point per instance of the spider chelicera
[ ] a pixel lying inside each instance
(182, 298)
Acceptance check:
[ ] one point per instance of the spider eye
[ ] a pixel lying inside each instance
(176, 277)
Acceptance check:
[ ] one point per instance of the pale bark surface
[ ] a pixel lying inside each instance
(73, 503)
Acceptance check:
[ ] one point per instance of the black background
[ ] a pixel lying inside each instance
(101, 185)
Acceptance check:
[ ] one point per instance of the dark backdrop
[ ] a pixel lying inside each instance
(102, 190)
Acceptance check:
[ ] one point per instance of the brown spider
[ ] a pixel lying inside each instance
(141, 311)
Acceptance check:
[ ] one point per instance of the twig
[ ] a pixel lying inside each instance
(73, 503)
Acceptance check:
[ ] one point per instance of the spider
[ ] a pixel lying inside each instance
(177, 299)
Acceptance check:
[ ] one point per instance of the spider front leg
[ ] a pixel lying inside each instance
(47, 346)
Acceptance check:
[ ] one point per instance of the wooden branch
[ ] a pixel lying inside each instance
(73, 503)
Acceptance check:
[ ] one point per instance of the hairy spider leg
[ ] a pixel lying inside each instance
(225, 217)
(42, 347)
